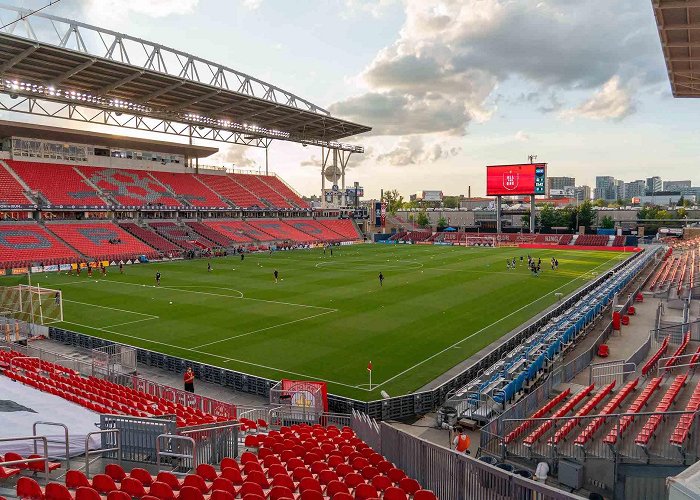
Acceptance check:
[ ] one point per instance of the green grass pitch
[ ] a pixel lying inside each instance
(327, 317)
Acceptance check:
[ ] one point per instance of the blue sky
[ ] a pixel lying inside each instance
(449, 86)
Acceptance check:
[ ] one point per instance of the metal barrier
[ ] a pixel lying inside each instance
(212, 442)
(178, 459)
(454, 476)
(641, 354)
(65, 441)
(138, 434)
(44, 458)
(607, 371)
(114, 446)
(367, 429)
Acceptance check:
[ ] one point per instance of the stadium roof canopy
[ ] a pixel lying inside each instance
(678, 22)
(82, 72)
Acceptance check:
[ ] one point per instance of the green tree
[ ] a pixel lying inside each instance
(548, 217)
(681, 201)
(450, 201)
(422, 220)
(600, 203)
(607, 222)
(585, 215)
(442, 222)
(394, 201)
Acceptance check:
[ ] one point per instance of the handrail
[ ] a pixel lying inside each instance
(89, 452)
(173, 437)
(44, 459)
(67, 443)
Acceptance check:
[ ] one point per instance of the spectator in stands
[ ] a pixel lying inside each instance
(189, 379)
(461, 442)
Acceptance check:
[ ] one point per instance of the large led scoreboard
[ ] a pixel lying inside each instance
(520, 179)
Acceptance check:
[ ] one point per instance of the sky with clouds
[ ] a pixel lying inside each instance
(448, 86)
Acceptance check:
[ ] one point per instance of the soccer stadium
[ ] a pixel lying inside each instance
(174, 326)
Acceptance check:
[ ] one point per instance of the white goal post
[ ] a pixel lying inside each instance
(32, 304)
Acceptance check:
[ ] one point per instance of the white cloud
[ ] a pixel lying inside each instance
(252, 4)
(522, 136)
(451, 55)
(413, 150)
(375, 8)
(612, 102)
(151, 8)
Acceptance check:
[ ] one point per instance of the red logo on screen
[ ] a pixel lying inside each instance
(510, 180)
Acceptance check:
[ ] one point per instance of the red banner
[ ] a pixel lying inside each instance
(383, 216)
(304, 392)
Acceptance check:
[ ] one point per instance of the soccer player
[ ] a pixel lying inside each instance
(77, 269)
(208, 267)
(276, 275)
(242, 256)
(121, 268)
(89, 271)
(158, 278)
(381, 279)
(57, 298)
(104, 269)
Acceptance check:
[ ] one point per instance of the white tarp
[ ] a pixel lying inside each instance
(21, 406)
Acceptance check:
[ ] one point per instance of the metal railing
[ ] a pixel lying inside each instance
(367, 429)
(172, 447)
(138, 434)
(607, 371)
(66, 441)
(455, 476)
(44, 458)
(113, 445)
(212, 442)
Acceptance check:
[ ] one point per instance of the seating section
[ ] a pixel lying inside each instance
(587, 408)
(415, 236)
(635, 407)
(231, 190)
(647, 432)
(25, 244)
(315, 229)
(210, 234)
(279, 185)
(548, 239)
(679, 351)
(238, 231)
(151, 238)
(592, 240)
(344, 227)
(561, 412)
(538, 414)
(651, 362)
(608, 409)
(188, 188)
(95, 394)
(130, 188)
(566, 239)
(619, 241)
(181, 236)
(685, 422)
(279, 230)
(59, 184)
(265, 193)
(11, 191)
(101, 240)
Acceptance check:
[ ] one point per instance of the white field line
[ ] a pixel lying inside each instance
(224, 358)
(131, 322)
(489, 326)
(266, 328)
(150, 316)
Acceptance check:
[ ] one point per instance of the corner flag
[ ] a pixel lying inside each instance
(369, 366)
(369, 369)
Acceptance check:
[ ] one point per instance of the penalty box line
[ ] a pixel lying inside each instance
(218, 356)
(492, 324)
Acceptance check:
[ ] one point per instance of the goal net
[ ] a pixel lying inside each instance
(32, 304)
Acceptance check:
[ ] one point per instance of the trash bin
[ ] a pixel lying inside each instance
(503, 485)
(485, 477)
(521, 493)
(446, 416)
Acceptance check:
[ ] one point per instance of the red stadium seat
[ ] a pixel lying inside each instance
(409, 485)
(132, 487)
(118, 495)
(190, 493)
(57, 491)
(76, 479)
(366, 491)
(424, 495)
(116, 472)
(87, 493)
(29, 489)
(394, 493)
(161, 491)
(102, 483)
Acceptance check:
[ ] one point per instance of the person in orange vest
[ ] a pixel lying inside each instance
(461, 442)
(189, 380)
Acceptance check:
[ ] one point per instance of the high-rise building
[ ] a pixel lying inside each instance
(582, 193)
(619, 190)
(559, 184)
(604, 188)
(676, 185)
(654, 185)
(635, 189)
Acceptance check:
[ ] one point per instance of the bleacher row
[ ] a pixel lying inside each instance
(24, 244)
(95, 394)
(508, 376)
(677, 272)
(297, 462)
(63, 185)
